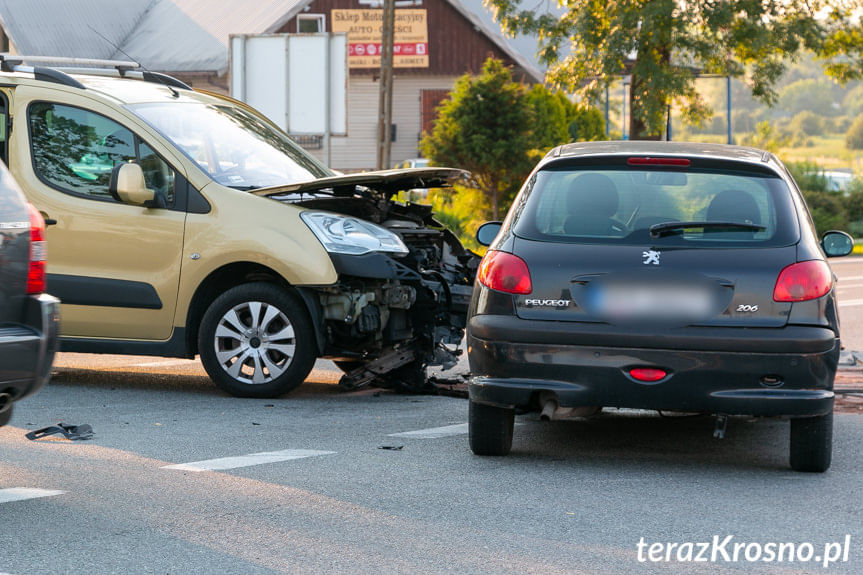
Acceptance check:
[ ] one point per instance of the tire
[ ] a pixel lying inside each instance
(6, 416)
(490, 429)
(812, 443)
(256, 340)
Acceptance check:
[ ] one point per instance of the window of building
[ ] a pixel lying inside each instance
(310, 23)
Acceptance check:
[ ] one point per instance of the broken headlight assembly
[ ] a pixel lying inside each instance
(346, 235)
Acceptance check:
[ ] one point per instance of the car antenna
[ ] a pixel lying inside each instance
(173, 90)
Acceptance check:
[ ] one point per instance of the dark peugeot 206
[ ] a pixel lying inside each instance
(28, 317)
(655, 275)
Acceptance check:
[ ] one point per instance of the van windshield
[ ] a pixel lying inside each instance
(706, 208)
(236, 148)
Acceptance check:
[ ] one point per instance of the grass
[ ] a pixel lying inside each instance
(828, 151)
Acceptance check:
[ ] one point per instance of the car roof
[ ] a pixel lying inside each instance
(645, 147)
(120, 90)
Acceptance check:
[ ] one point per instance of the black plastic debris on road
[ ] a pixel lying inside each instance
(70, 432)
(391, 447)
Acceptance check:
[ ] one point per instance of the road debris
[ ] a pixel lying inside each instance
(70, 432)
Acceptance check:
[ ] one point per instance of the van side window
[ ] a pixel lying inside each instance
(75, 150)
(157, 173)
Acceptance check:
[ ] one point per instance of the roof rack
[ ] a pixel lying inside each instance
(62, 68)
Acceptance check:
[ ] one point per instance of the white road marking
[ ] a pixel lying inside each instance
(851, 303)
(849, 278)
(24, 493)
(247, 460)
(434, 432)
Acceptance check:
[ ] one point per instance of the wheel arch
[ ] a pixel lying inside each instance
(238, 273)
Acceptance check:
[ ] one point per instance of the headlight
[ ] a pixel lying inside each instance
(347, 235)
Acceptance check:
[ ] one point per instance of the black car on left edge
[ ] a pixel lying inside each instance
(28, 317)
(657, 275)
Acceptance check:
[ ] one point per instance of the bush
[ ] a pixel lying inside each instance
(549, 117)
(854, 136)
(830, 210)
(586, 124)
(837, 125)
(808, 123)
(462, 210)
(765, 137)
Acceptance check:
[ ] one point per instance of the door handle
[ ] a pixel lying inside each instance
(48, 221)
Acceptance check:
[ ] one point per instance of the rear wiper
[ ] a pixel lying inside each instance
(665, 228)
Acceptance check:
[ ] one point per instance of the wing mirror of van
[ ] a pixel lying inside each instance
(128, 186)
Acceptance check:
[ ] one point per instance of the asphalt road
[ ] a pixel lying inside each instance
(849, 289)
(180, 478)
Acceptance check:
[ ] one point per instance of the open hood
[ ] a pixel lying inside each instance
(386, 182)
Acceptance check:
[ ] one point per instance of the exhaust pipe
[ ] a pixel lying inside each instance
(551, 410)
(548, 410)
(5, 401)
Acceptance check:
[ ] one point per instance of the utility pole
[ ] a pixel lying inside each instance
(385, 103)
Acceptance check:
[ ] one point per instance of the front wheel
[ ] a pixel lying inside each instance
(256, 341)
(812, 443)
(490, 429)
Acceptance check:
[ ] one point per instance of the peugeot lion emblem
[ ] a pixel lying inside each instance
(650, 257)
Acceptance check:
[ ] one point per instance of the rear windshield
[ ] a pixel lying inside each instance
(618, 205)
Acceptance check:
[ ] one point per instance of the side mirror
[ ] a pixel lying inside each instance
(487, 232)
(128, 185)
(837, 244)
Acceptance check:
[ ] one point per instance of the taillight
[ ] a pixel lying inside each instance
(36, 274)
(504, 272)
(803, 281)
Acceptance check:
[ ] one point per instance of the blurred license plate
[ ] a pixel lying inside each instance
(653, 301)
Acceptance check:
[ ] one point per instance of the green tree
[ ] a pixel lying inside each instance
(549, 117)
(810, 95)
(765, 137)
(661, 44)
(586, 124)
(854, 136)
(485, 127)
(808, 123)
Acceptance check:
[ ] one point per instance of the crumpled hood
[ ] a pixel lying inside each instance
(386, 182)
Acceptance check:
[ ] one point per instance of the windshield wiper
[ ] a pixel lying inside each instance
(665, 228)
(244, 188)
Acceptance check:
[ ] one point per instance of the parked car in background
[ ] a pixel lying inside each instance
(656, 275)
(187, 223)
(28, 317)
(413, 163)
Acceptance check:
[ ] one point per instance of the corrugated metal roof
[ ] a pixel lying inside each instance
(65, 28)
(192, 35)
(167, 35)
(170, 40)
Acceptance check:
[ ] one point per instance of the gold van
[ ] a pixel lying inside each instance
(183, 223)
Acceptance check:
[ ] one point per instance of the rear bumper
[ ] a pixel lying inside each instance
(733, 374)
(27, 350)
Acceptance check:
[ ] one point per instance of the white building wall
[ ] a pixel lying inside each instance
(358, 150)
